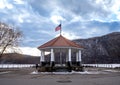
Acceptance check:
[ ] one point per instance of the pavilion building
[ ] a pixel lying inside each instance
(61, 51)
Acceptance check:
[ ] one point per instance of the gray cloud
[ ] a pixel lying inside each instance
(87, 9)
(81, 18)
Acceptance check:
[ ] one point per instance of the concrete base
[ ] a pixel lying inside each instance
(60, 69)
(43, 64)
(78, 63)
(78, 68)
(69, 64)
(52, 64)
(52, 68)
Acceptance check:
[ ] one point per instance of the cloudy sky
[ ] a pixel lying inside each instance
(80, 18)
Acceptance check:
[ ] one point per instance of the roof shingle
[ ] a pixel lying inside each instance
(60, 41)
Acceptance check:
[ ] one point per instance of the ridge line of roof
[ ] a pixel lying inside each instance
(53, 41)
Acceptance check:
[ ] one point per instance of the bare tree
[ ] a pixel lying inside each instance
(9, 37)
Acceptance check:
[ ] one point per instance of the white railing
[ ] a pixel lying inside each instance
(16, 65)
(103, 65)
(31, 65)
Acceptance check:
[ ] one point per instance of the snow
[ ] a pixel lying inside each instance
(34, 72)
(30, 51)
(68, 73)
(88, 72)
(24, 50)
(76, 72)
(111, 71)
(4, 72)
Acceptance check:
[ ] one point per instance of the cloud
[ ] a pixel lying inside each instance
(24, 50)
(70, 35)
(56, 19)
(87, 9)
(19, 1)
(4, 4)
(80, 18)
(30, 51)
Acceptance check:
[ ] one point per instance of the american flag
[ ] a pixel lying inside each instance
(58, 27)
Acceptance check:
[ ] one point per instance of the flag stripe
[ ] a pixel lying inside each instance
(58, 27)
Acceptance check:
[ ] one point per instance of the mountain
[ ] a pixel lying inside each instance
(104, 49)
(15, 58)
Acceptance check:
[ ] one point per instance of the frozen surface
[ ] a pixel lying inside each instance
(5, 72)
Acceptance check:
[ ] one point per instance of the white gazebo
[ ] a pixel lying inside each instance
(58, 46)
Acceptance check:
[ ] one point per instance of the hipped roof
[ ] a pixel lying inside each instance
(59, 41)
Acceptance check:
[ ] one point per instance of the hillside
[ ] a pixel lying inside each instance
(19, 59)
(104, 49)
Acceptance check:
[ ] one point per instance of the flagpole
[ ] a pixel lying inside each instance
(60, 49)
(61, 27)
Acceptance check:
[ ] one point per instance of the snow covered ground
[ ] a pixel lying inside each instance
(65, 73)
(76, 72)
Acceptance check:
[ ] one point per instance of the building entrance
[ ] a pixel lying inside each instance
(60, 58)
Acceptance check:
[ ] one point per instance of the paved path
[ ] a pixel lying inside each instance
(23, 77)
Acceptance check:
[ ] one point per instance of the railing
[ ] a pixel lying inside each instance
(16, 65)
(102, 65)
(31, 65)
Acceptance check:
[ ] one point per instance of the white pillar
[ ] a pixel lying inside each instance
(52, 55)
(69, 55)
(79, 56)
(42, 56)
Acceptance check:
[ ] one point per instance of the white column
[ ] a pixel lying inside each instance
(69, 54)
(42, 56)
(80, 55)
(77, 58)
(52, 55)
